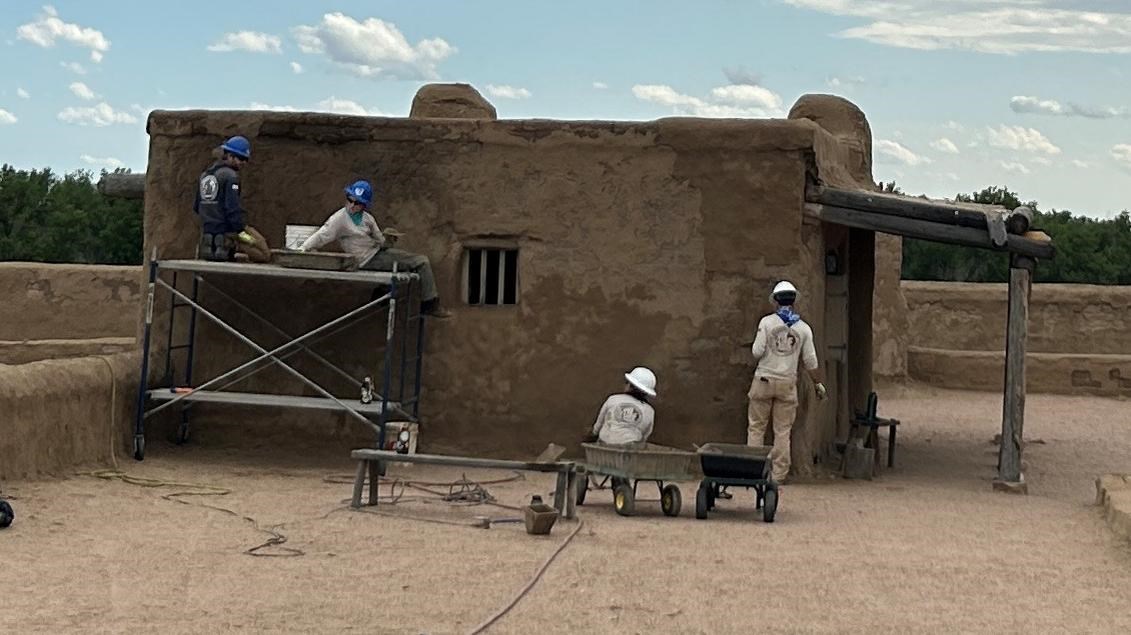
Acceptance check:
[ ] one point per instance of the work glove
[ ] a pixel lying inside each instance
(822, 392)
(246, 238)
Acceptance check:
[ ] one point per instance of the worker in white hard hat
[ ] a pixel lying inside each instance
(628, 417)
(783, 341)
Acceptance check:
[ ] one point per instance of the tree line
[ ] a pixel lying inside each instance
(47, 217)
(1088, 250)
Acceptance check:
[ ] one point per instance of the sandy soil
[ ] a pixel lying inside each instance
(925, 548)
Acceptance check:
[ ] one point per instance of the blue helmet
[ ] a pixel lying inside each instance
(238, 146)
(360, 191)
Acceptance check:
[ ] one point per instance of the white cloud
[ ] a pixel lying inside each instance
(742, 103)
(987, 26)
(74, 67)
(894, 151)
(1022, 139)
(955, 126)
(1081, 164)
(99, 115)
(49, 29)
(945, 145)
(372, 48)
(250, 41)
(296, 68)
(22, 94)
(600, 85)
(1041, 160)
(1013, 166)
(508, 92)
(107, 162)
(1122, 154)
(82, 91)
(7, 118)
(747, 95)
(348, 107)
(1033, 105)
(257, 105)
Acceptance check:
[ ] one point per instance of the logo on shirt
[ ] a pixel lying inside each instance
(209, 187)
(784, 341)
(629, 413)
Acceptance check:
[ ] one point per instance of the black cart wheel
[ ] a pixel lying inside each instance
(670, 500)
(712, 495)
(582, 488)
(701, 501)
(7, 514)
(139, 447)
(770, 504)
(624, 500)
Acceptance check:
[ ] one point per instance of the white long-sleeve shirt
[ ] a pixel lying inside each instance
(778, 348)
(624, 419)
(360, 241)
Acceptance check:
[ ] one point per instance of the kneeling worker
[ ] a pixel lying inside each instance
(223, 228)
(357, 232)
(782, 341)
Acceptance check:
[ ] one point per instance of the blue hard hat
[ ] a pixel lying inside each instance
(360, 191)
(238, 146)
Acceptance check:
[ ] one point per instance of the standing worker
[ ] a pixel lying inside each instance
(357, 232)
(223, 226)
(783, 339)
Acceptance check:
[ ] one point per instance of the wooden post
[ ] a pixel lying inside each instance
(1010, 477)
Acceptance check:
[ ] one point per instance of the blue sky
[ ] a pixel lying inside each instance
(961, 94)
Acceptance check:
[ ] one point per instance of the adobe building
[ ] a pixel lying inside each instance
(631, 243)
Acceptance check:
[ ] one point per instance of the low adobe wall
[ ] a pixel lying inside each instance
(1079, 337)
(68, 302)
(56, 415)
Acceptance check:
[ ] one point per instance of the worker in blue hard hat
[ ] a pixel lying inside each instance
(224, 231)
(358, 234)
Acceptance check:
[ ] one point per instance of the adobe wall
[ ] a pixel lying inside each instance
(1079, 336)
(1063, 318)
(57, 415)
(640, 243)
(44, 301)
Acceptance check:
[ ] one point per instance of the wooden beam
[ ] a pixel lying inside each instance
(1010, 477)
(123, 185)
(462, 461)
(950, 213)
(927, 230)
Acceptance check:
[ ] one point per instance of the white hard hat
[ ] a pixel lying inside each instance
(643, 379)
(785, 286)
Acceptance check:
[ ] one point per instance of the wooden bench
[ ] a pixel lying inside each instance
(372, 463)
(873, 423)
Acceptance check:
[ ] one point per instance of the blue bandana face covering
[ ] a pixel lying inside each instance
(788, 316)
(358, 217)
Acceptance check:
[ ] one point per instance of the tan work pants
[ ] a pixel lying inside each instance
(772, 400)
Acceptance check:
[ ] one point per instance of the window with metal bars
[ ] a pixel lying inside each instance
(490, 276)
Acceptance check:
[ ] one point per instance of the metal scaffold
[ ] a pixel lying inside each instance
(396, 297)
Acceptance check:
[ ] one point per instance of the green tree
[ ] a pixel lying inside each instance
(1088, 250)
(47, 218)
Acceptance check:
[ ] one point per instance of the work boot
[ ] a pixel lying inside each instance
(432, 308)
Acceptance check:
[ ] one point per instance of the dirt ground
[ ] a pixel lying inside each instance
(925, 548)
